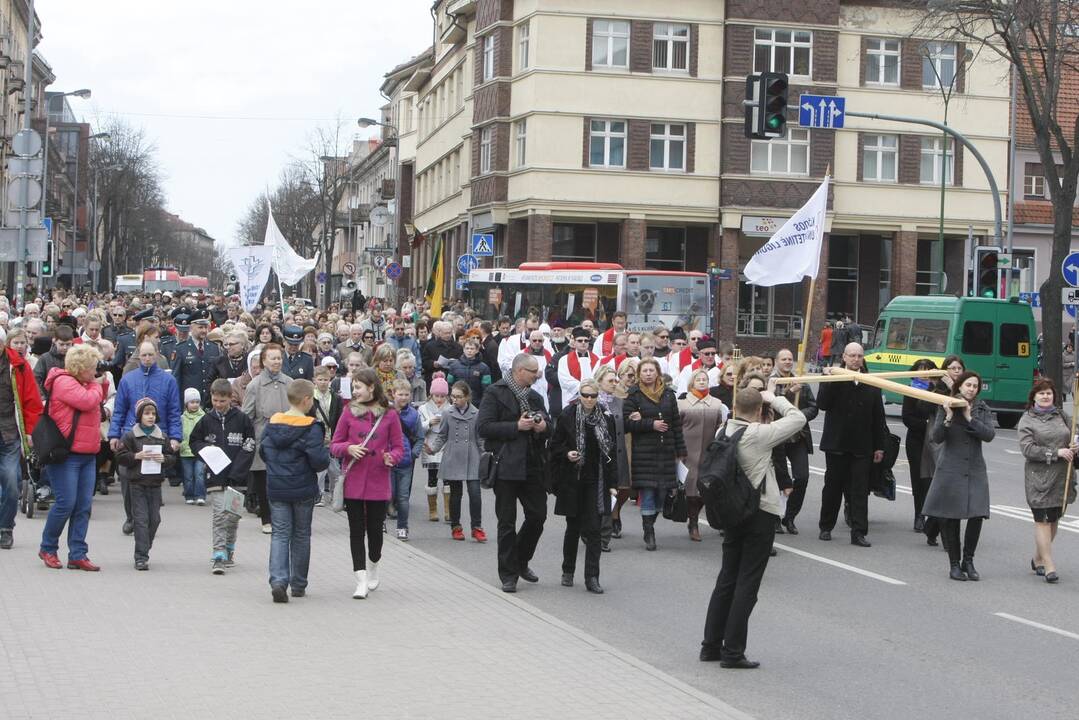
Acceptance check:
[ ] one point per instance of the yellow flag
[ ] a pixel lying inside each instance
(434, 282)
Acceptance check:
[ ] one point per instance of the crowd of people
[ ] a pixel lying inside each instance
(278, 412)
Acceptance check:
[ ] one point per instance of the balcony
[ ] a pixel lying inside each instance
(356, 216)
(461, 7)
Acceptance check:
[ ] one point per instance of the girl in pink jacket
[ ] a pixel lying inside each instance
(75, 389)
(369, 442)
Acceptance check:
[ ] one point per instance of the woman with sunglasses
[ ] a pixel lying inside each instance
(584, 452)
(651, 414)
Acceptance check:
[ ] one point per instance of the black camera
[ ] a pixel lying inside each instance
(102, 368)
(537, 417)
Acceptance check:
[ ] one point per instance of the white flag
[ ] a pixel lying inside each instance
(794, 251)
(252, 264)
(289, 265)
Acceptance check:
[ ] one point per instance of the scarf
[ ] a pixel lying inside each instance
(699, 393)
(573, 363)
(607, 341)
(521, 393)
(656, 393)
(598, 424)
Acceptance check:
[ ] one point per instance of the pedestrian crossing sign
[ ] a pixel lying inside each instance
(483, 244)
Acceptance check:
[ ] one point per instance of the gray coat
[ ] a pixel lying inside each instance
(614, 406)
(1041, 435)
(264, 397)
(460, 444)
(960, 487)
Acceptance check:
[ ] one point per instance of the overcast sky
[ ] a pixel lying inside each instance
(157, 64)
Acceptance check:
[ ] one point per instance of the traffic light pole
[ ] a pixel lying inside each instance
(998, 234)
(24, 214)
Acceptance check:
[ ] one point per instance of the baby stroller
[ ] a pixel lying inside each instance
(35, 494)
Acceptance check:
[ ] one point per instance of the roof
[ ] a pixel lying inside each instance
(1037, 212)
(936, 303)
(405, 70)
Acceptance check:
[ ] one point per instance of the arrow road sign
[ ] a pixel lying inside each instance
(467, 263)
(1070, 269)
(822, 111)
(483, 244)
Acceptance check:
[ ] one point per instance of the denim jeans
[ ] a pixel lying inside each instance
(10, 480)
(73, 484)
(651, 500)
(194, 472)
(402, 489)
(290, 543)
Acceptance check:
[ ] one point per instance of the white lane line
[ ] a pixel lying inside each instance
(1040, 626)
(1069, 522)
(841, 566)
(1013, 452)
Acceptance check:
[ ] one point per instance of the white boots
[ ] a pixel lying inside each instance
(361, 585)
(372, 575)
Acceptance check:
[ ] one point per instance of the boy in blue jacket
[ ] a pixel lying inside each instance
(293, 450)
(412, 433)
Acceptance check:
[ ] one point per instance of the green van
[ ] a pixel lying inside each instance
(995, 338)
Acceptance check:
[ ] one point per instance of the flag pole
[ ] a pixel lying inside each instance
(806, 324)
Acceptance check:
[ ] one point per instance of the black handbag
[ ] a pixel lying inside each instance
(675, 505)
(489, 468)
(50, 445)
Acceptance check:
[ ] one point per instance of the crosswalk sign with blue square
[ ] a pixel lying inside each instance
(483, 244)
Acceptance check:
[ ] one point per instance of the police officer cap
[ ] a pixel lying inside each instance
(181, 320)
(200, 317)
(294, 334)
(144, 314)
(580, 332)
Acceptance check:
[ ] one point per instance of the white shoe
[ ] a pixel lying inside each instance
(200, 501)
(402, 534)
(372, 575)
(267, 529)
(189, 502)
(361, 585)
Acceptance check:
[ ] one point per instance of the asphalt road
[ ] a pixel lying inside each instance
(841, 631)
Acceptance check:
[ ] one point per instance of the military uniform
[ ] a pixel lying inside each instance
(299, 366)
(192, 367)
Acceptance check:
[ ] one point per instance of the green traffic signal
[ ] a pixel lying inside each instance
(989, 293)
(774, 122)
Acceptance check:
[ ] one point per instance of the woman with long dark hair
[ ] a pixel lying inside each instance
(916, 417)
(960, 488)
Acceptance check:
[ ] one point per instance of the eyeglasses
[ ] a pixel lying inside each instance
(662, 337)
(590, 396)
(708, 353)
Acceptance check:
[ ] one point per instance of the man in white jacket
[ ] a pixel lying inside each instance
(746, 547)
(577, 365)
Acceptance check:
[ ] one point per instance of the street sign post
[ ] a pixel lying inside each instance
(461, 284)
(349, 269)
(467, 263)
(1070, 269)
(483, 244)
(1031, 298)
(1069, 296)
(321, 277)
(393, 270)
(822, 111)
(380, 261)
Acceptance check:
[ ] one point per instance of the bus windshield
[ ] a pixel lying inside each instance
(670, 299)
(570, 303)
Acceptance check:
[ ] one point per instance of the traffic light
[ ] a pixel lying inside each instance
(46, 264)
(766, 105)
(987, 275)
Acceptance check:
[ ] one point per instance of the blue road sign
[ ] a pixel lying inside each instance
(322, 277)
(822, 111)
(1031, 298)
(1070, 269)
(467, 263)
(47, 224)
(483, 244)
(1070, 309)
(393, 270)
(461, 284)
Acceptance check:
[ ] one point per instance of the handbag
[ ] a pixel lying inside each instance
(675, 505)
(489, 468)
(50, 445)
(337, 501)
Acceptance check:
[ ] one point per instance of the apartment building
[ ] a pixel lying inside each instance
(613, 131)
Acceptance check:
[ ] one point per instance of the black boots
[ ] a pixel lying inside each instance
(956, 573)
(968, 568)
(648, 522)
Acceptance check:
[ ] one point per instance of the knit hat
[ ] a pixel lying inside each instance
(439, 386)
(145, 402)
(192, 395)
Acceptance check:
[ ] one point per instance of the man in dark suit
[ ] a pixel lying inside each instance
(298, 365)
(194, 359)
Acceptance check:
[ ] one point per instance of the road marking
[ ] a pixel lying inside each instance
(1040, 626)
(1013, 452)
(841, 566)
(1068, 522)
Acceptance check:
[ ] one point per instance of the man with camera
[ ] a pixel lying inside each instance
(515, 429)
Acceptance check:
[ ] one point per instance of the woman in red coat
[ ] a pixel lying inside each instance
(75, 389)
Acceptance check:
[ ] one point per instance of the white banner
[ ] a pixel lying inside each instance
(289, 265)
(252, 263)
(794, 251)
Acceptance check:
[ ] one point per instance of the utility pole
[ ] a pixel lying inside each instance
(24, 211)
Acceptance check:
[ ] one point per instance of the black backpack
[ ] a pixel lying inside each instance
(729, 497)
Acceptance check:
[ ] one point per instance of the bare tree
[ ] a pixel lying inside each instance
(1039, 39)
(326, 169)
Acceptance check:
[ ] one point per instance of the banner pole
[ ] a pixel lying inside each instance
(807, 317)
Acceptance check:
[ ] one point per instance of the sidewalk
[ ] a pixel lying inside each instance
(177, 642)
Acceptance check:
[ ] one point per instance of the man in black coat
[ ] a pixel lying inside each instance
(298, 365)
(854, 437)
(441, 344)
(507, 421)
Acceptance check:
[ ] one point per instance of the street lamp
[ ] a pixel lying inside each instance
(75, 204)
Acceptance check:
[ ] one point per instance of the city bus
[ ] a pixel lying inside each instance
(575, 291)
(194, 283)
(165, 279)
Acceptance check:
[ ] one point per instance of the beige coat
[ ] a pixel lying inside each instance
(701, 418)
(264, 397)
(1040, 437)
(755, 448)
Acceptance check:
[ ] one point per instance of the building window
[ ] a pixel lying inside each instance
(488, 57)
(523, 33)
(929, 273)
(607, 143)
(485, 151)
(667, 150)
(787, 51)
(460, 88)
(782, 156)
(670, 46)
(665, 248)
(842, 277)
(775, 312)
(1034, 181)
(882, 61)
(932, 158)
(573, 242)
(520, 141)
(879, 158)
(938, 65)
(610, 43)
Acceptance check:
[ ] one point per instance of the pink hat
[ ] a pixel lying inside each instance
(439, 386)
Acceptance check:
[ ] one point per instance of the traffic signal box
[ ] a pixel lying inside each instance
(766, 105)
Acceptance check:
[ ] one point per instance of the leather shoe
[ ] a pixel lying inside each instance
(709, 654)
(50, 560)
(567, 579)
(919, 524)
(956, 573)
(128, 528)
(825, 535)
(509, 586)
(968, 568)
(7, 539)
(859, 540)
(592, 585)
(789, 525)
(83, 564)
(779, 528)
(527, 574)
(740, 664)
